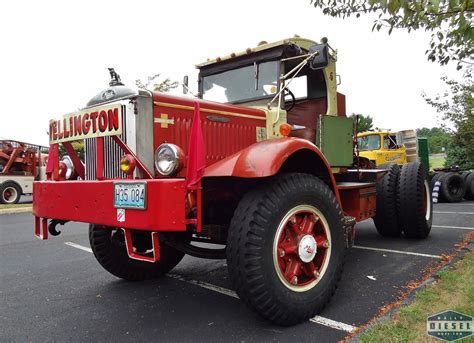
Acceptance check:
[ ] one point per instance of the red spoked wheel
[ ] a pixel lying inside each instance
(302, 248)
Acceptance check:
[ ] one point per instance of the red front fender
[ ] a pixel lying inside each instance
(262, 159)
(266, 158)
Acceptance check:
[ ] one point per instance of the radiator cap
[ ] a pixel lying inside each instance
(116, 91)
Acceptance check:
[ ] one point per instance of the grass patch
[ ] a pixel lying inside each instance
(437, 162)
(453, 291)
(4, 206)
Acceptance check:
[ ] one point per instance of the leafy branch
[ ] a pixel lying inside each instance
(456, 106)
(161, 86)
(450, 22)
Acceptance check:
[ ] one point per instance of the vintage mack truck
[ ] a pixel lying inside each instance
(262, 162)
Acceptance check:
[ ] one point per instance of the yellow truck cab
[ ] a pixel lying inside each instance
(381, 147)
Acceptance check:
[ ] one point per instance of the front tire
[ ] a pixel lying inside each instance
(108, 246)
(286, 247)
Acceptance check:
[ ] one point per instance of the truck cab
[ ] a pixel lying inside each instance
(255, 77)
(381, 147)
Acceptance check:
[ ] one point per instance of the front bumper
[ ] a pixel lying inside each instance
(93, 202)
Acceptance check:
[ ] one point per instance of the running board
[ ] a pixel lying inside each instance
(131, 252)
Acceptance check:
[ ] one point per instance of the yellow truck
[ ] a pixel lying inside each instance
(382, 147)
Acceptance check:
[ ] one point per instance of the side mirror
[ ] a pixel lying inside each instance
(185, 84)
(321, 58)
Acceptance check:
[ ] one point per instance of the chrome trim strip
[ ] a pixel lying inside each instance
(208, 110)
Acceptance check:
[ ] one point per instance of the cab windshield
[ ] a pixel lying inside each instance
(252, 82)
(371, 142)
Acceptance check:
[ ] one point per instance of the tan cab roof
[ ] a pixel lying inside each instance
(301, 42)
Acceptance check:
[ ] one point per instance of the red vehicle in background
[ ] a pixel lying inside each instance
(20, 164)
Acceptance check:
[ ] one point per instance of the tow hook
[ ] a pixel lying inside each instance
(349, 230)
(52, 226)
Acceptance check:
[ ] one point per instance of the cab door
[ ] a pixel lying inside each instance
(392, 153)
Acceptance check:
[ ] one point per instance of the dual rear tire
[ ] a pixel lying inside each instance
(414, 202)
(404, 203)
(386, 219)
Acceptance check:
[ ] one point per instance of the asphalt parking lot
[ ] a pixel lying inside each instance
(55, 291)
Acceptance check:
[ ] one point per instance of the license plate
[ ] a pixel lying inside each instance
(130, 195)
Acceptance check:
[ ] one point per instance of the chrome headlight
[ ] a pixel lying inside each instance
(169, 159)
(69, 167)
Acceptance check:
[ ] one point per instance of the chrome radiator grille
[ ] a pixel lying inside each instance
(112, 155)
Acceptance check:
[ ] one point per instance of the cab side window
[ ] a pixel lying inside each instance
(389, 142)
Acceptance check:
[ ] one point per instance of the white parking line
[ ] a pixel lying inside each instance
(317, 319)
(333, 324)
(454, 227)
(448, 212)
(455, 204)
(74, 245)
(206, 285)
(396, 251)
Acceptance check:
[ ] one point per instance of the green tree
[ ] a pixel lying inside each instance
(158, 86)
(439, 144)
(423, 132)
(365, 122)
(438, 138)
(449, 21)
(457, 155)
(456, 107)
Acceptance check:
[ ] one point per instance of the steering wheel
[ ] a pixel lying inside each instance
(293, 99)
